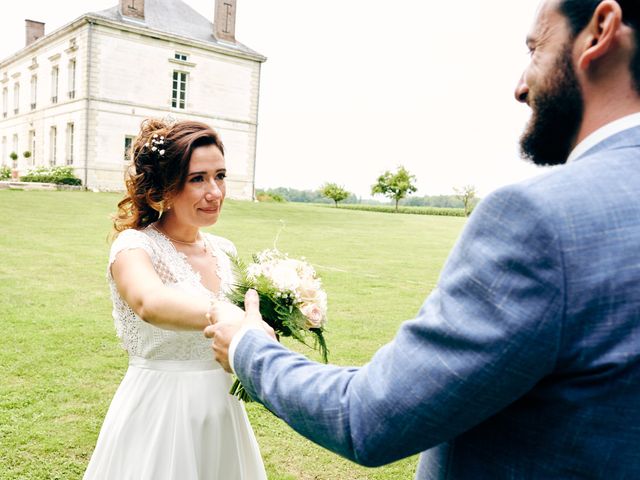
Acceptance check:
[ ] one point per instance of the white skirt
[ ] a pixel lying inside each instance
(173, 420)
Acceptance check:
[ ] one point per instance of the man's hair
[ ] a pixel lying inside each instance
(579, 12)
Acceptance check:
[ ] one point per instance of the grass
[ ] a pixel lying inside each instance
(60, 362)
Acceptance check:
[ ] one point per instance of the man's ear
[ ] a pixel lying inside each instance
(600, 33)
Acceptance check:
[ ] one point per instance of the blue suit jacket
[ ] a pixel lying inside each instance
(523, 363)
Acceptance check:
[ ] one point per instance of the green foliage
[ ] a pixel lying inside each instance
(467, 196)
(58, 175)
(26, 154)
(395, 186)
(13, 156)
(270, 197)
(448, 212)
(335, 192)
(302, 196)
(438, 201)
(5, 173)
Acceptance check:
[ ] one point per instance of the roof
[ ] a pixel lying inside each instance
(176, 18)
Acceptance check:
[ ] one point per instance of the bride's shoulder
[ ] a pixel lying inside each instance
(132, 238)
(224, 244)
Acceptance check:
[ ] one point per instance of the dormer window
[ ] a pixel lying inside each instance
(183, 57)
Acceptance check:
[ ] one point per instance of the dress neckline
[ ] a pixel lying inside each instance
(196, 275)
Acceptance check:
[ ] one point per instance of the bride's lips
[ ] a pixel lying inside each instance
(210, 210)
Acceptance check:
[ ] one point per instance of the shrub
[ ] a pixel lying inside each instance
(5, 173)
(270, 197)
(57, 175)
(450, 212)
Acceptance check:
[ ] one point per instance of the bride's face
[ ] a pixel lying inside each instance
(200, 201)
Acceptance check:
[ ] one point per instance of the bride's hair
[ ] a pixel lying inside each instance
(159, 167)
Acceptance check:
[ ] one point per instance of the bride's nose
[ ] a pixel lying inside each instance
(213, 192)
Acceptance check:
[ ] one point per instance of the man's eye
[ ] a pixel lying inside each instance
(221, 176)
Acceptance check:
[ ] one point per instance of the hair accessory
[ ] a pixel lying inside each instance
(156, 144)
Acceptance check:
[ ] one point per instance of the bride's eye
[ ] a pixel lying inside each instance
(197, 178)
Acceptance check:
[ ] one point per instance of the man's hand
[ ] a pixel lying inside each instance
(223, 331)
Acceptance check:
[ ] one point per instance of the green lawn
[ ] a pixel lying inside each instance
(60, 362)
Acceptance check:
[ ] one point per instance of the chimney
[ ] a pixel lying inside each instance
(34, 30)
(132, 9)
(224, 24)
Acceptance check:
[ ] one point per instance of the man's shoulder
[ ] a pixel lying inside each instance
(590, 177)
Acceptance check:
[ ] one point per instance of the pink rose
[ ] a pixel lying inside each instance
(314, 315)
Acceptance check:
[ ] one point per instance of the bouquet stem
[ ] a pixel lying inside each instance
(238, 390)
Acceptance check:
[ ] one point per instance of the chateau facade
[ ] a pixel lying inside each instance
(77, 96)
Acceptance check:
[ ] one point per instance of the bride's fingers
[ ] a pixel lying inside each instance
(210, 331)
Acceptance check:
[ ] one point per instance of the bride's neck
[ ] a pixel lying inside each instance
(178, 230)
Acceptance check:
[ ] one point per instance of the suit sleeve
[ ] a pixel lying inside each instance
(485, 336)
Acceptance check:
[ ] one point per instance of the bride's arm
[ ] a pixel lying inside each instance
(140, 286)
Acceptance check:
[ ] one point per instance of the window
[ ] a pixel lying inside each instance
(183, 57)
(32, 147)
(53, 142)
(34, 91)
(54, 84)
(5, 102)
(72, 79)
(128, 143)
(16, 98)
(69, 143)
(179, 91)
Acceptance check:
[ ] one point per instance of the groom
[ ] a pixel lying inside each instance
(524, 362)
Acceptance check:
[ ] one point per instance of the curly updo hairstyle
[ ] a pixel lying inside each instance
(158, 172)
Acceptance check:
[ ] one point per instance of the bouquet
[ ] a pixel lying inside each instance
(292, 300)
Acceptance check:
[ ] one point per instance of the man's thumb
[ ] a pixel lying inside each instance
(252, 302)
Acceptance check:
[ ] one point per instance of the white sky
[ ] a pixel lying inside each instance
(354, 87)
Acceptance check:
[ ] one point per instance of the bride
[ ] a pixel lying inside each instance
(172, 416)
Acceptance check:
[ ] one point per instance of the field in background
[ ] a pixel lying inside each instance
(60, 362)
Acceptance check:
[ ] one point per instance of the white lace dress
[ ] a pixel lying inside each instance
(172, 417)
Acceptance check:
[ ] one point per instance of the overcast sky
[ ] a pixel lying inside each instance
(354, 87)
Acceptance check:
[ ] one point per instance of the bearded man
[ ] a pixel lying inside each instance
(524, 362)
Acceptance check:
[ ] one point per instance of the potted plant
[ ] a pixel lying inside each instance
(14, 172)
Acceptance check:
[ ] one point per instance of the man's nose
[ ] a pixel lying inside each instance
(522, 90)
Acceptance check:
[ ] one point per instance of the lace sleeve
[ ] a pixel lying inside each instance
(129, 240)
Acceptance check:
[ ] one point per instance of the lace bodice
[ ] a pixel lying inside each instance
(142, 339)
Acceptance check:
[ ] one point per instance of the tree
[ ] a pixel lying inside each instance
(334, 192)
(467, 195)
(395, 186)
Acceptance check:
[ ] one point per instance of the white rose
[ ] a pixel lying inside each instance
(283, 277)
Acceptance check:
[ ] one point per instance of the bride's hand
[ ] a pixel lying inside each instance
(225, 312)
(223, 330)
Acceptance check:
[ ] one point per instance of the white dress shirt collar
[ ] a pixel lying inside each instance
(603, 133)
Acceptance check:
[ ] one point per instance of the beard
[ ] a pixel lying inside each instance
(556, 116)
